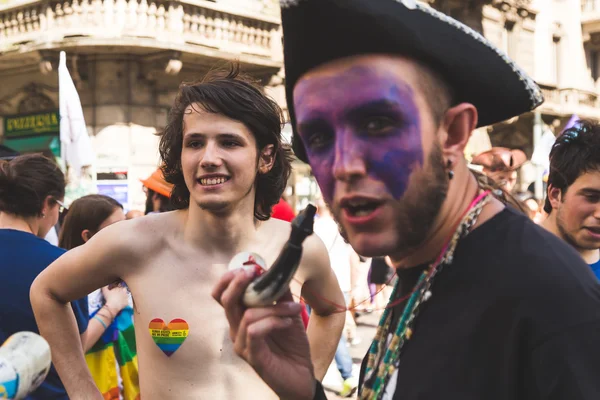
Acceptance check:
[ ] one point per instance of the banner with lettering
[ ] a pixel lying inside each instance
(31, 124)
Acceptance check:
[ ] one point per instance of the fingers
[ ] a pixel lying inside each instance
(222, 285)
(229, 292)
(256, 341)
(254, 316)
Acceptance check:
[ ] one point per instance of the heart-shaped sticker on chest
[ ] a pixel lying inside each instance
(168, 338)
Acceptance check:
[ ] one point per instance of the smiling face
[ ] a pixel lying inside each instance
(218, 159)
(578, 211)
(370, 140)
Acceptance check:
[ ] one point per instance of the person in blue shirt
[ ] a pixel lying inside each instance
(573, 197)
(32, 189)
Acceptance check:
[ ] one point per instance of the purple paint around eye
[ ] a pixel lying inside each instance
(339, 101)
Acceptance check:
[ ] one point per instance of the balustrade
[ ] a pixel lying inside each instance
(185, 21)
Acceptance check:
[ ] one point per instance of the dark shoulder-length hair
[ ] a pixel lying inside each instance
(236, 96)
(87, 212)
(25, 183)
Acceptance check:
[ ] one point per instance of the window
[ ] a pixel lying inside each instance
(555, 59)
(510, 39)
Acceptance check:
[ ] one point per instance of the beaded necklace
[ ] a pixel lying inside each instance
(383, 360)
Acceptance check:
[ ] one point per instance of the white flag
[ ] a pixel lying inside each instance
(76, 147)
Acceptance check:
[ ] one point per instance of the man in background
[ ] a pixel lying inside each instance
(158, 193)
(573, 197)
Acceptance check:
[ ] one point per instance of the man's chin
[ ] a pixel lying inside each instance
(370, 245)
(214, 206)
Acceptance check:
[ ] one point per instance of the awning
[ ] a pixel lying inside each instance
(34, 144)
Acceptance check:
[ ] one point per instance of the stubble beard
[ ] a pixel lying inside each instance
(222, 207)
(417, 214)
(568, 237)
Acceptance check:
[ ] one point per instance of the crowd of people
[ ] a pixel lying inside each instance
(480, 295)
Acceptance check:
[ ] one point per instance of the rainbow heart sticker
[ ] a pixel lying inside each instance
(168, 338)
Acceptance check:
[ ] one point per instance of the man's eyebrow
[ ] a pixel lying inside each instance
(589, 191)
(373, 106)
(364, 109)
(225, 135)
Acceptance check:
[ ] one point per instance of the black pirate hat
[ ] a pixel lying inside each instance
(318, 31)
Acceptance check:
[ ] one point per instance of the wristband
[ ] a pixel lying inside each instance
(99, 320)
(319, 391)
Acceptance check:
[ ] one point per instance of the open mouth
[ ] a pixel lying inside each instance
(594, 230)
(213, 181)
(360, 208)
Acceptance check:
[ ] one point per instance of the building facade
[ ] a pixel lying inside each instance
(557, 42)
(127, 59)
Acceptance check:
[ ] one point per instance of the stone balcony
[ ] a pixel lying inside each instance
(194, 28)
(567, 101)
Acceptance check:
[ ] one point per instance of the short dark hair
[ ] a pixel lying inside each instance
(228, 92)
(165, 202)
(438, 93)
(87, 212)
(575, 152)
(26, 181)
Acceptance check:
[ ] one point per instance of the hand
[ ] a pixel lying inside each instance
(271, 339)
(116, 298)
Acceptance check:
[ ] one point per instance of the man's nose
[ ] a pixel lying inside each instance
(211, 156)
(349, 159)
(597, 211)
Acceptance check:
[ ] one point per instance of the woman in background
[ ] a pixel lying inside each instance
(32, 188)
(112, 359)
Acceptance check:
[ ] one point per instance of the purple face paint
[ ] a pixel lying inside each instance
(359, 119)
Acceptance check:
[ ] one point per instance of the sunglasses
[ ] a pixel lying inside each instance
(62, 211)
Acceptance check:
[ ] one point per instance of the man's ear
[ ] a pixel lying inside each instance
(458, 124)
(266, 159)
(86, 235)
(554, 196)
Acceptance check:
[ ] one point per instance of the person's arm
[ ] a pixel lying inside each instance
(116, 299)
(78, 272)
(272, 340)
(322, 293)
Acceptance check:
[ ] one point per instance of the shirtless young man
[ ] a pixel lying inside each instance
(224, 130)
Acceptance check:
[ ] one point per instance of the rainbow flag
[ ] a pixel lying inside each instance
(116, 347)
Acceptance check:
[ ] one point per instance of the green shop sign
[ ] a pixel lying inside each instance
(31, 124)
(32, 133)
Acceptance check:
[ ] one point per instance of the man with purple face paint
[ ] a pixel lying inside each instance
(383, 97)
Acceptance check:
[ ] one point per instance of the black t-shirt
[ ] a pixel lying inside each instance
(515, 317)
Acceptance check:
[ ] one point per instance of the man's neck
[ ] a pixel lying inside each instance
(462, 191)
(227, 232)
(8, 221)
(551, 225)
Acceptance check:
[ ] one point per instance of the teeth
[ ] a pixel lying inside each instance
(362, 213)
(358, 203)
(212, 181)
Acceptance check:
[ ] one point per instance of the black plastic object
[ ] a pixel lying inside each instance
(278, 277)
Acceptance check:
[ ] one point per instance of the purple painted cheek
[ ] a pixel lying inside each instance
(394, 160)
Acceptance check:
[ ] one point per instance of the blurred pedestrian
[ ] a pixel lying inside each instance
(32, 189)
(112, 359)
(158, 193)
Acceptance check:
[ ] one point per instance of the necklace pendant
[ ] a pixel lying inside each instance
(427, 295)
